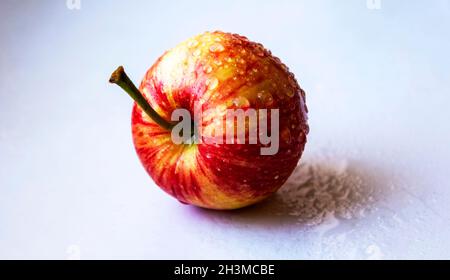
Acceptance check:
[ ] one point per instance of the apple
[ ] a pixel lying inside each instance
(219, 71)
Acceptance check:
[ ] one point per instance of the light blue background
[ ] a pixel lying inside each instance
(377, 83)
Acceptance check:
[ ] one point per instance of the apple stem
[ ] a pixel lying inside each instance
(120, 78)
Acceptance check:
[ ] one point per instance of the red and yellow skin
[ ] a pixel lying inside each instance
(220, 71)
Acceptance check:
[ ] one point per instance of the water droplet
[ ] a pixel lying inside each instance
(207, 69)
(290, 93)
(286, 135)
(216, 47)
(241, 101)
(212, 83)
(293, 81)
(197, 52)
(265, 98)
(192, 43)
(291, 106)
(217, 62)
(255, 70)
(259, 50)
(276, 177)
(208, 156)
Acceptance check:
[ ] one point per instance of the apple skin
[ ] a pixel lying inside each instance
(219, 70)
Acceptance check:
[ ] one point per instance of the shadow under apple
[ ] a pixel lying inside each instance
(318, 191)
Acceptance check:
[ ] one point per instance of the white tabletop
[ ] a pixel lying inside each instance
(373, 182)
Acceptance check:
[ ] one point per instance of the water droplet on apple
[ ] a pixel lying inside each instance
(259, 50)
(192, 43)
(284, 67)
(207, 69)
(276, 177)
(290, 93)
(291, 107)
(212, 83)
(277, 60)
(265, 98)
(269, 99)
(216, 47)
(241, 101)
(286, 135)
(197, 52)
(208, 156)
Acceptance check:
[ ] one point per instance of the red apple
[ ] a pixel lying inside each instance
(219, 71)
